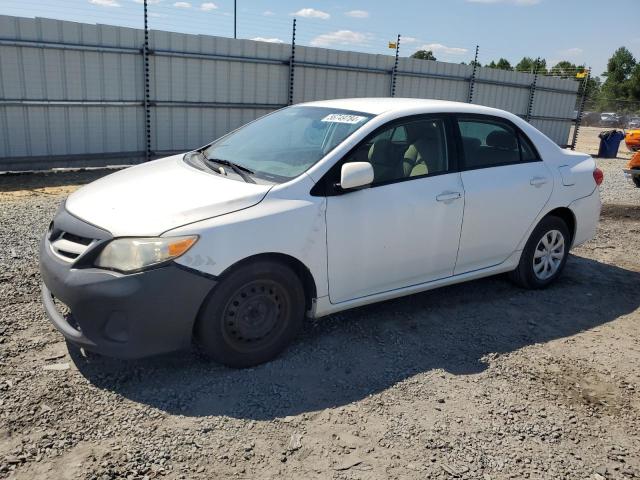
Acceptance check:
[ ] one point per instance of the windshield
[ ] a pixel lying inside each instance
(282, 145)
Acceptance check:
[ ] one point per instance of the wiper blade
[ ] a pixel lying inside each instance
(238, 169)
(228, 163)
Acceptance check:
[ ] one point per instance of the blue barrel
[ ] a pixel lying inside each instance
(609, 143)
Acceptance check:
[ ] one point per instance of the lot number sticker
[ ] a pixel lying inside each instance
(343, 118)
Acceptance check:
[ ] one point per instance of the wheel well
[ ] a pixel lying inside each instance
(308, 283)
(567, 216)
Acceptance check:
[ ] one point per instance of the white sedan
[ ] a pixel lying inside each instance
(312, 209)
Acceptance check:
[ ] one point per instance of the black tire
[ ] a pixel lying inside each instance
(252, 314)
(636, 180)
(525, 275)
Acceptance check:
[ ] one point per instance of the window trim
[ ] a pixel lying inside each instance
(326, 186)
(491, 119)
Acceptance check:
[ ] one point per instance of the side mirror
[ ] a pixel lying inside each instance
(356, 174)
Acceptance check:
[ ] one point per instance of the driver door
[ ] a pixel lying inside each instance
(405, 228)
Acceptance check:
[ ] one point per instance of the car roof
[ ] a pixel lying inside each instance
(379, 105)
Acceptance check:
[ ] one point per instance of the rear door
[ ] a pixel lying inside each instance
(506, 186)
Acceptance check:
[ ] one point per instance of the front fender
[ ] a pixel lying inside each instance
(288, 221)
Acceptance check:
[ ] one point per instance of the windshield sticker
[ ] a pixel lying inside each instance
(343, 118)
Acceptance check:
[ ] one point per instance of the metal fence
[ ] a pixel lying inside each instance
(77, 95)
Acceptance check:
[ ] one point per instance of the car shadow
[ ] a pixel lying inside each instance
(346, 357)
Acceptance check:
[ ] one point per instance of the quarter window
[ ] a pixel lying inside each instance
(527, 151)
(405, 150)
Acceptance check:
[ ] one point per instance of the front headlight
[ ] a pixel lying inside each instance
(130, 254)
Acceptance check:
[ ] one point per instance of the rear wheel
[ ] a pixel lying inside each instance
(636, 180)
(252, 315)
(544, 255)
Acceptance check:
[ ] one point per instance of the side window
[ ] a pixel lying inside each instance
(488, 143)
(410, 149)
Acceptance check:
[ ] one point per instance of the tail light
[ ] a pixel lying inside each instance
(598, 176)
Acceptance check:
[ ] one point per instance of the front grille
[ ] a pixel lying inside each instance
(69, 247)
(76, 238)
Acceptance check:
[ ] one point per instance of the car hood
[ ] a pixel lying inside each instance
(154, 197)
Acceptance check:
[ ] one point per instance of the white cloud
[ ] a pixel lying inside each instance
(340, 37)
(438, 48)
(150, 2)
(105, 3)
(182, 5)
(208, 6)
(572, 52)
(270, 40)
(522, 3)
(408, 40)
(312, 13)
(357, 14)
(268, 13)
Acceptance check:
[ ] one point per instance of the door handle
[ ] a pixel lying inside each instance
(448, 196)
(538, 181)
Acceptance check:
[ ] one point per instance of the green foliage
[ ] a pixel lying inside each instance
(566, 69)
(621, 89)
(528, 64)
(502, 64)
(424, 55)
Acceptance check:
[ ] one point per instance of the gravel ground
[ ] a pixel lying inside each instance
(481, 380)
(589, 142)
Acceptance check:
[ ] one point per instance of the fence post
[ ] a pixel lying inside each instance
(583, 100)
(394, 70)
(292, 60)
(532, 91)
(472, 80)
(145, 59)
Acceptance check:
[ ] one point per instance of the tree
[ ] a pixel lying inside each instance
(620, 65)
(566, 69)
(527, 64)
(502, 64)
(424, 55)
(621, 89)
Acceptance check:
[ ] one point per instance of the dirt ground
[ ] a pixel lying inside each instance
(480, 380)
(588, 142)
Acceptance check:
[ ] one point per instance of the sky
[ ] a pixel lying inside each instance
(581, 31)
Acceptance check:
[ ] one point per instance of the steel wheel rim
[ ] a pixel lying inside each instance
(255, 315)
(548, 255)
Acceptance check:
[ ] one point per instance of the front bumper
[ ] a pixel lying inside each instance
(124, 316)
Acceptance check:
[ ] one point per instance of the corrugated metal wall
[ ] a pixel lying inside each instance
(72, 94)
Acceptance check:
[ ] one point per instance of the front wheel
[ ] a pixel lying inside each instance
(544, 255)
(252, 315)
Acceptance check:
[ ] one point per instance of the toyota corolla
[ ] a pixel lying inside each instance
(307, 211)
